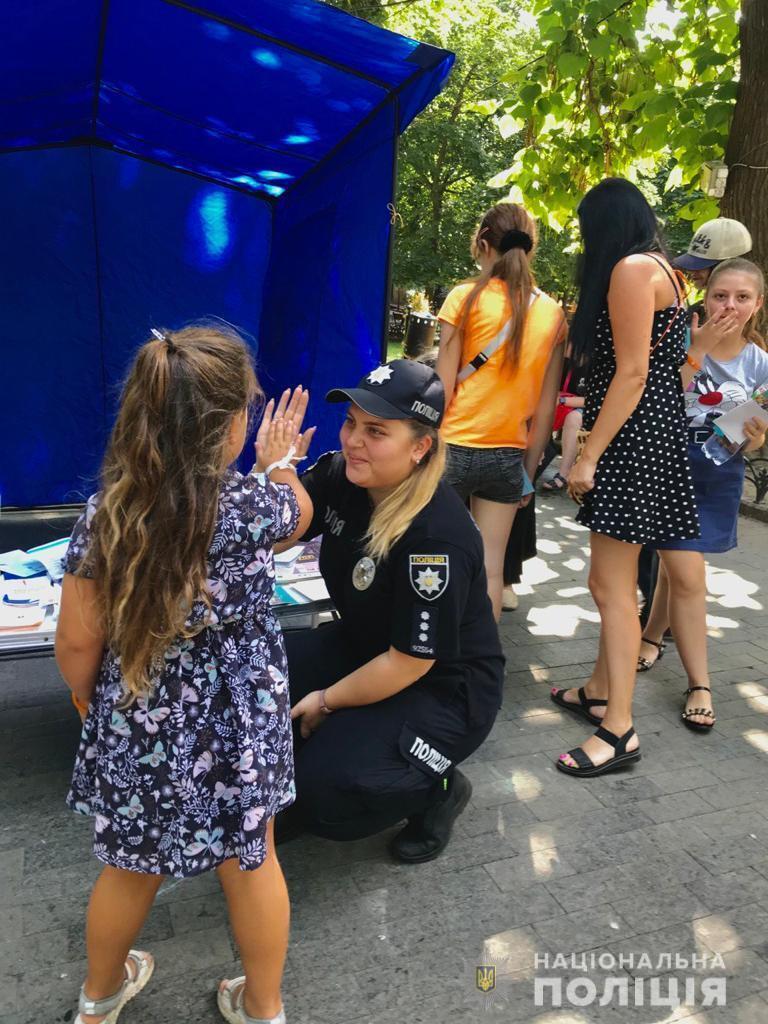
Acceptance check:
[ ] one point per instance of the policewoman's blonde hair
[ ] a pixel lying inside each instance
(394, 515)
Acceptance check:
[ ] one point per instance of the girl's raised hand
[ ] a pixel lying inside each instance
(709, 335)
(291, 409)
(274, 442)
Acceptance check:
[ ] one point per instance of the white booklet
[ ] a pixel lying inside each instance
(732, 423)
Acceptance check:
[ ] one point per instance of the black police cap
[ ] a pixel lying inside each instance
(398, 390)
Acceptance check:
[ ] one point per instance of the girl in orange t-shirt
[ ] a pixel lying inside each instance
(501, 355)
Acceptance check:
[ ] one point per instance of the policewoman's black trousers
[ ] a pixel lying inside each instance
(365, 769)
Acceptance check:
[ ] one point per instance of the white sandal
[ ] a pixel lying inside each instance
(230, 999)
(112, 1005)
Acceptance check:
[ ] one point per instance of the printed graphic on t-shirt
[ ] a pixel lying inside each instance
(706, 401)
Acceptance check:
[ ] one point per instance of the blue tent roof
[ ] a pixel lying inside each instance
(162, 162)
(248, 93)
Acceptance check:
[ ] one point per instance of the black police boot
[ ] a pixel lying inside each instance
(426, 835)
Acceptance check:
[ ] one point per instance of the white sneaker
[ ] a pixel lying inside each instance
(508, 599)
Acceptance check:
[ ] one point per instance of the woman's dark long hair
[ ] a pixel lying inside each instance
(615, 221)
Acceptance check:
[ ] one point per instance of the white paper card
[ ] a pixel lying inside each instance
(732, 423)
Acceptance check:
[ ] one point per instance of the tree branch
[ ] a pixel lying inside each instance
(627, 3)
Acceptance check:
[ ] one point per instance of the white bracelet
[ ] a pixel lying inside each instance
(285, 463)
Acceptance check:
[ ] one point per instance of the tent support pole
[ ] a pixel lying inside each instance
(392, 229)
(99, 62)
(99, 296)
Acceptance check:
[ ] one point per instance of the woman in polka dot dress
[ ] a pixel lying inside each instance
(633, 480)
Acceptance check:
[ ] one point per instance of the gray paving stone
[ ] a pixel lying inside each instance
(729, 794)
(751, 1010)
(539, 866)
(583, 929)
(734, 929)
(754, 767)
(654, 859)
(674, 806)
(730, 890)
(656, 911)
(728, 854)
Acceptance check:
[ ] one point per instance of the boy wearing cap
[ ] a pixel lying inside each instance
(717, 240)
(408, 682)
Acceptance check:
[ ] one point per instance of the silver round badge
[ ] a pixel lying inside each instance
(363, 573)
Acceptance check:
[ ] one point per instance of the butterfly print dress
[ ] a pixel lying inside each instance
(189, 777)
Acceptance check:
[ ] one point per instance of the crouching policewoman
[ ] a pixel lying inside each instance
(407, 684)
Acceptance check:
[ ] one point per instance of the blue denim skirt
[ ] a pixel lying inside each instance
(718, 491)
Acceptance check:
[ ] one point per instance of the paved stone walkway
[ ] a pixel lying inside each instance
(669, 857)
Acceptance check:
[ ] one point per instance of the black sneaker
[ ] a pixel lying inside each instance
(426, 835)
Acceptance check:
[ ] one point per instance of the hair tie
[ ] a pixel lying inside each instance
(515, 239)
(166, 338)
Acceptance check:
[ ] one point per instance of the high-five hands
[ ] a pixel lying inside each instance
(280, 429)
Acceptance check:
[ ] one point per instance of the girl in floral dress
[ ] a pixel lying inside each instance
(175, 659)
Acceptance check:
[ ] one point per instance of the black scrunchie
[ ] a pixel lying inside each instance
(515, 239)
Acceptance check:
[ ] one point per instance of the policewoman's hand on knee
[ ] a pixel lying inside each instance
(312, 711)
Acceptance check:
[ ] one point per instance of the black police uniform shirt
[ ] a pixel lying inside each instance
(428, 598)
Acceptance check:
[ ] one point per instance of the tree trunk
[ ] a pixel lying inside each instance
(746, 195)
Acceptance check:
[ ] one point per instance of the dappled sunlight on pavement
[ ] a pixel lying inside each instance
(668, 858)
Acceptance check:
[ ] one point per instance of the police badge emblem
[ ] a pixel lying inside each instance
(485, 977)
(363, 573)
(429, 575)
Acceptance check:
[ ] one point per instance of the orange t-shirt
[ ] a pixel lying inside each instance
(491, 408)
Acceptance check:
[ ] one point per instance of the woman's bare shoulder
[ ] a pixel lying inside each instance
(640, 266)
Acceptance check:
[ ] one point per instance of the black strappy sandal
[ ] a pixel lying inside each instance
(643, 665)
(583, 708)
(586, 766)
(704, 712)
(557, 484)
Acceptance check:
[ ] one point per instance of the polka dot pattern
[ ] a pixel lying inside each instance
(643, 491)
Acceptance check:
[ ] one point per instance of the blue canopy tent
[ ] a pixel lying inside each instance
(161, 162)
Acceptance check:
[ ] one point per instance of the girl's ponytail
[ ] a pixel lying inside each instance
(511, 231)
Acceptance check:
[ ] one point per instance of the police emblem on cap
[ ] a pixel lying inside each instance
(485, 977)
(380, 375)
(363, 573)
(429, 575)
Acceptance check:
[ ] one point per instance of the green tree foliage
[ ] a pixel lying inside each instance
(450, 152)
(619, 89)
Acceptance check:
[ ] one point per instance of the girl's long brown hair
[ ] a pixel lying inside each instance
(741, 266)
(160, 484)
(512, 267)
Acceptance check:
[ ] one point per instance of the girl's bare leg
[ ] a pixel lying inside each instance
(259, 912)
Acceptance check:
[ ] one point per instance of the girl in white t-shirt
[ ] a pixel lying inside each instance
(727, 377)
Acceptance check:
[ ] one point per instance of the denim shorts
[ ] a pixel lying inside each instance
(495, 474)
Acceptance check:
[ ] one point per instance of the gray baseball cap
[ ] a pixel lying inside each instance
(717, 240)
